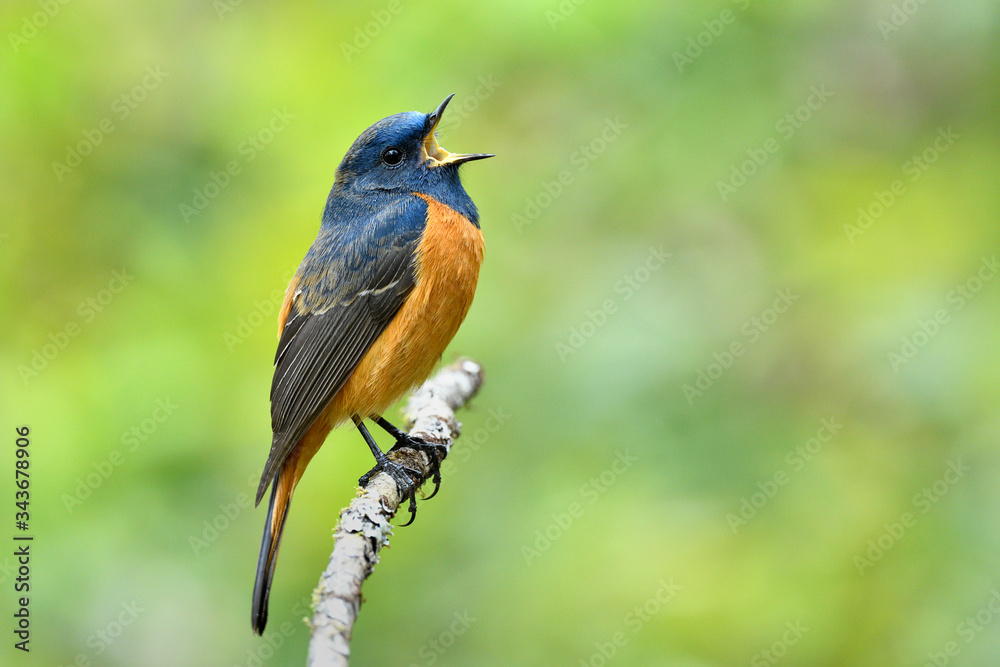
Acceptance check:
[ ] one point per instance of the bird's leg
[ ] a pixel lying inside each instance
(434, 451)
(399, 473)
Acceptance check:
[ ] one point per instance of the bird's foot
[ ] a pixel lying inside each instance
(435, 452)
(404, 482)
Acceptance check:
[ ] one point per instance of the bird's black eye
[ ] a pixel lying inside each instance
(392, 156)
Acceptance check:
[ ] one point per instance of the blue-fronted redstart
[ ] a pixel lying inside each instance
(378, 297)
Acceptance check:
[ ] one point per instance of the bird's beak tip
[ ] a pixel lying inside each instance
(433, 154)
(437, 113)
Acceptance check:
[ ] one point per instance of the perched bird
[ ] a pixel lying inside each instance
(378, 297)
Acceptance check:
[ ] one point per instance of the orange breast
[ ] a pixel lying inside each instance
(448, 261)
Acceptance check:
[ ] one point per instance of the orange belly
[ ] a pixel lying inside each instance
(448, 260)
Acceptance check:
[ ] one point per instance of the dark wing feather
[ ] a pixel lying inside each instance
(352, 283)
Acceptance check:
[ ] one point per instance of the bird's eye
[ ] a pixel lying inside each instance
(392, 156)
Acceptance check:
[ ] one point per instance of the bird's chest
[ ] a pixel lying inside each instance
(448, 260)
(447, 270)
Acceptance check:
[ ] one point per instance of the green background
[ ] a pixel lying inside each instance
(194, 327)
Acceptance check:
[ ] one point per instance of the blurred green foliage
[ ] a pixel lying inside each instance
(614, 125)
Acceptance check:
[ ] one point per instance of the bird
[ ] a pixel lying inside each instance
(379, 295)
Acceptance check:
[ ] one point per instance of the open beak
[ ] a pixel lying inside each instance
(431, 152)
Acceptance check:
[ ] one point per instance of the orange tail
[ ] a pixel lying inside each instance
(277, 512)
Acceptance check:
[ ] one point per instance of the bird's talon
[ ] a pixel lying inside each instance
(409, 441)
(405, 485)
(437, 483)
(413, 510)
(367, 477)
(435, 452)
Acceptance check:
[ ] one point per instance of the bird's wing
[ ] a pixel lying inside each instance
(350, 286)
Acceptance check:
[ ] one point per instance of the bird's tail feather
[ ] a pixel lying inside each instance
(277, 512)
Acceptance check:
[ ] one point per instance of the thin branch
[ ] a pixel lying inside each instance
(364, 525)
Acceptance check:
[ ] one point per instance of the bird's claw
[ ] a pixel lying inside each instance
(435, 452)
(401, 475)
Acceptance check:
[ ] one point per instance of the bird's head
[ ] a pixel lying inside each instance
(401, 152)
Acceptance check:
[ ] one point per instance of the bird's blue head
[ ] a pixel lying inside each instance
(401, 153)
